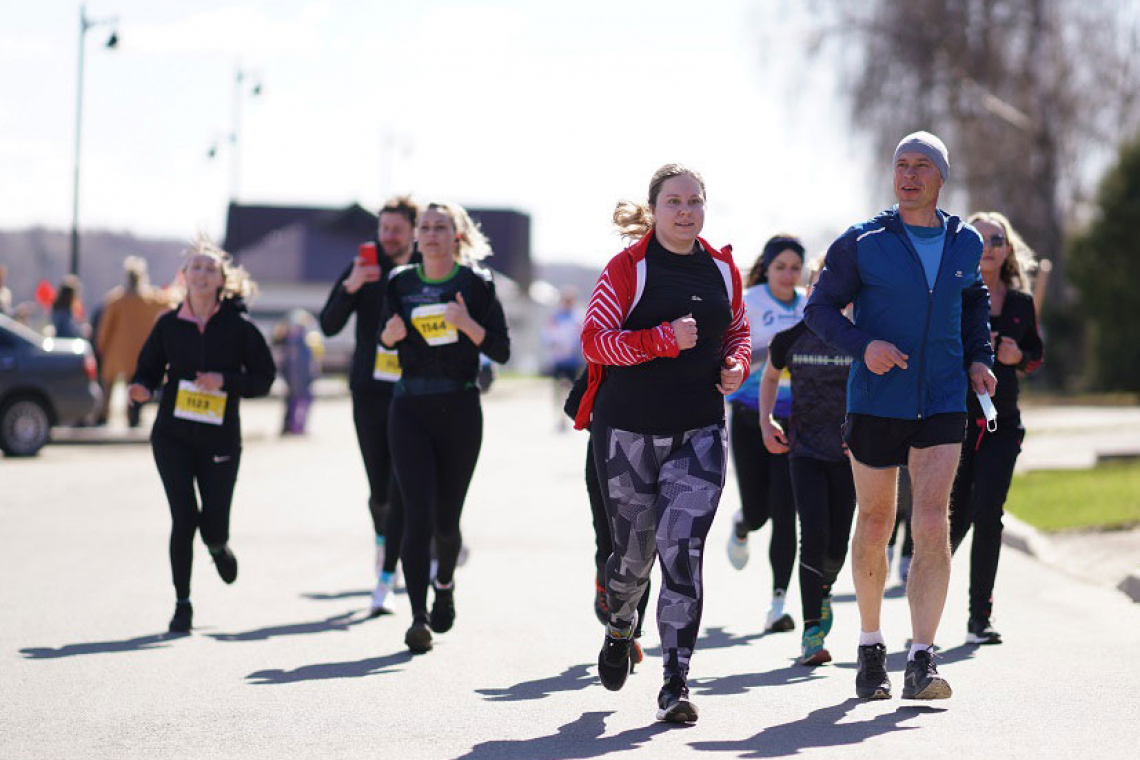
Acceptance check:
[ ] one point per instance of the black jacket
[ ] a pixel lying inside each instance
(367, 303)
(231, 345)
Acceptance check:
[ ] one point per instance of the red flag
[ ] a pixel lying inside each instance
(45, 294)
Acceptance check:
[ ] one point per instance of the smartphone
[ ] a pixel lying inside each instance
(367, 252)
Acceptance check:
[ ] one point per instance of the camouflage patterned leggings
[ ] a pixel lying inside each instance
(661, 493)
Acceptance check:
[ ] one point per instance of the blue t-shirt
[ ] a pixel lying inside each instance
(928, 242)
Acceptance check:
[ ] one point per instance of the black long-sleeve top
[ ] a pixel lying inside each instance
(367, 303)
(230, 345)
(1018, 320)
(419, 302)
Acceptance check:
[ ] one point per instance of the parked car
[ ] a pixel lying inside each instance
(43, 382)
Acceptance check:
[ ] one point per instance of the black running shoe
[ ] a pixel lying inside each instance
(183, 618)
(673, 703)
(981, 631)
(922, 680)
(226, 563)
(615, 661)
(418, 637)
(871, 680)
(601, 607)
(443, 609)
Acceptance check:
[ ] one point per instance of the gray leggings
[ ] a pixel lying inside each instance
(661, 493)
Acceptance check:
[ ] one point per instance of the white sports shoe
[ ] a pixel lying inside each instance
(778, 621)
(380, 600)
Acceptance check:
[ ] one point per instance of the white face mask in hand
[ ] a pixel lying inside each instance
(988, 410)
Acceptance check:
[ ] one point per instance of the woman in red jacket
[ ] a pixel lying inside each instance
(666, 338)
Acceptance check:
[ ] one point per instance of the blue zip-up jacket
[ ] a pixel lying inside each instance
(941, 330)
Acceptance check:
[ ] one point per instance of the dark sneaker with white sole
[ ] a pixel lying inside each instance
(673, 705)
(922, 680)
(183, 618)
(981, 631)
(418, 637)
(871, 681)
(225, 562)
(443, 609)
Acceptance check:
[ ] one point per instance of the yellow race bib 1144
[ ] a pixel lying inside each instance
(429, 322)
(193, 403)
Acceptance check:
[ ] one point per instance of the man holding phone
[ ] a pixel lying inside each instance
(360, 290)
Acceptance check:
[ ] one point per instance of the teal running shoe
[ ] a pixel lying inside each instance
(825, 616)
(812, 645)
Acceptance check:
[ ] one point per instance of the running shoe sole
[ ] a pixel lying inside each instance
(681, 711)
(938, 688)
(817, 658)
(973, 638)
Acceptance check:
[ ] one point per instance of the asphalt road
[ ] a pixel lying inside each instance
(285, 663)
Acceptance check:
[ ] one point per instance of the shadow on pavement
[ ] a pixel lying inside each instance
(329, 670)
(137, 644)
(743, 682)
(820, 728)
(574, 678)
(335, 596)
(340, 622)
(715, 638)
(581, 738)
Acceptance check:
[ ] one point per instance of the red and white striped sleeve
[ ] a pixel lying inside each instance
(737, 341)
(603, 340)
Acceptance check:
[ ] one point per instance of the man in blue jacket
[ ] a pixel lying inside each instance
(920, 339)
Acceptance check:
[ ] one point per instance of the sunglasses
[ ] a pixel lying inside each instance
(996, 241)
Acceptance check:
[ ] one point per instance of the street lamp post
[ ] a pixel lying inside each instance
(85, 25)
(240, 77)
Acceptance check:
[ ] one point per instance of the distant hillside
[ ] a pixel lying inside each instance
(38, 254)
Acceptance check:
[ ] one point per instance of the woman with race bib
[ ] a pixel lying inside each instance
(211, 355)
(439, 316)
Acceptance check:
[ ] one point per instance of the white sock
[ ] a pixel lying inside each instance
(778, 601)
(916, 647)
(868, 639)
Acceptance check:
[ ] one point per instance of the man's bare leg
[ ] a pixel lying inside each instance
(875, 491)
(932, 475)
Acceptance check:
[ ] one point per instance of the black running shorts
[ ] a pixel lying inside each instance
(886, 441)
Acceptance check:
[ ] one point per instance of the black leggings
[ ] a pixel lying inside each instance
(435, 442)
(825, 501)
(603, 541)
(180, 465)
(765, 491)
(370, 415)
(984, 474)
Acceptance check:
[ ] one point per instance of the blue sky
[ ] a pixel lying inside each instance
(556, 109)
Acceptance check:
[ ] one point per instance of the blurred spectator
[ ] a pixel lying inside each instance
(301, 348)
(127, 316)
(5, 293)
(562, 344)
(67, 310)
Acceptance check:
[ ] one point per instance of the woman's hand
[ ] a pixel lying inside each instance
(209, 381)
(394, 330)
(1008, 352)
(138, 393)
(685, 331)
(774, 439)
(731, 376)
(455, 312)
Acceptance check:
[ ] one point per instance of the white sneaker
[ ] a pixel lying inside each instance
(778, 621)
(737, 550)
(380, 600)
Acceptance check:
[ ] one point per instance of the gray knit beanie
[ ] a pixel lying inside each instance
(929, 146)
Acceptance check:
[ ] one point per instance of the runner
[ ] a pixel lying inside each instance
(212, 355)
(666, 338)
(820, 471)
(988, 457)
(439, 316)
(773, 303)
(360, 290)
(921, 319)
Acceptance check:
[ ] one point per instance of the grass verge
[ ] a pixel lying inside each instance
(1107, 496)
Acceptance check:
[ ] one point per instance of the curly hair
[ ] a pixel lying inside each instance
(236, 282)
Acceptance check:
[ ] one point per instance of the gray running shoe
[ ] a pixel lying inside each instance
(673, 705)
(922, 680)
(871, 681)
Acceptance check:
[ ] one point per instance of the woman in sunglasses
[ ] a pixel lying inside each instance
(988, 456)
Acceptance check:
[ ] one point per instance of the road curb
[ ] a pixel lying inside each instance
(1023, 537)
